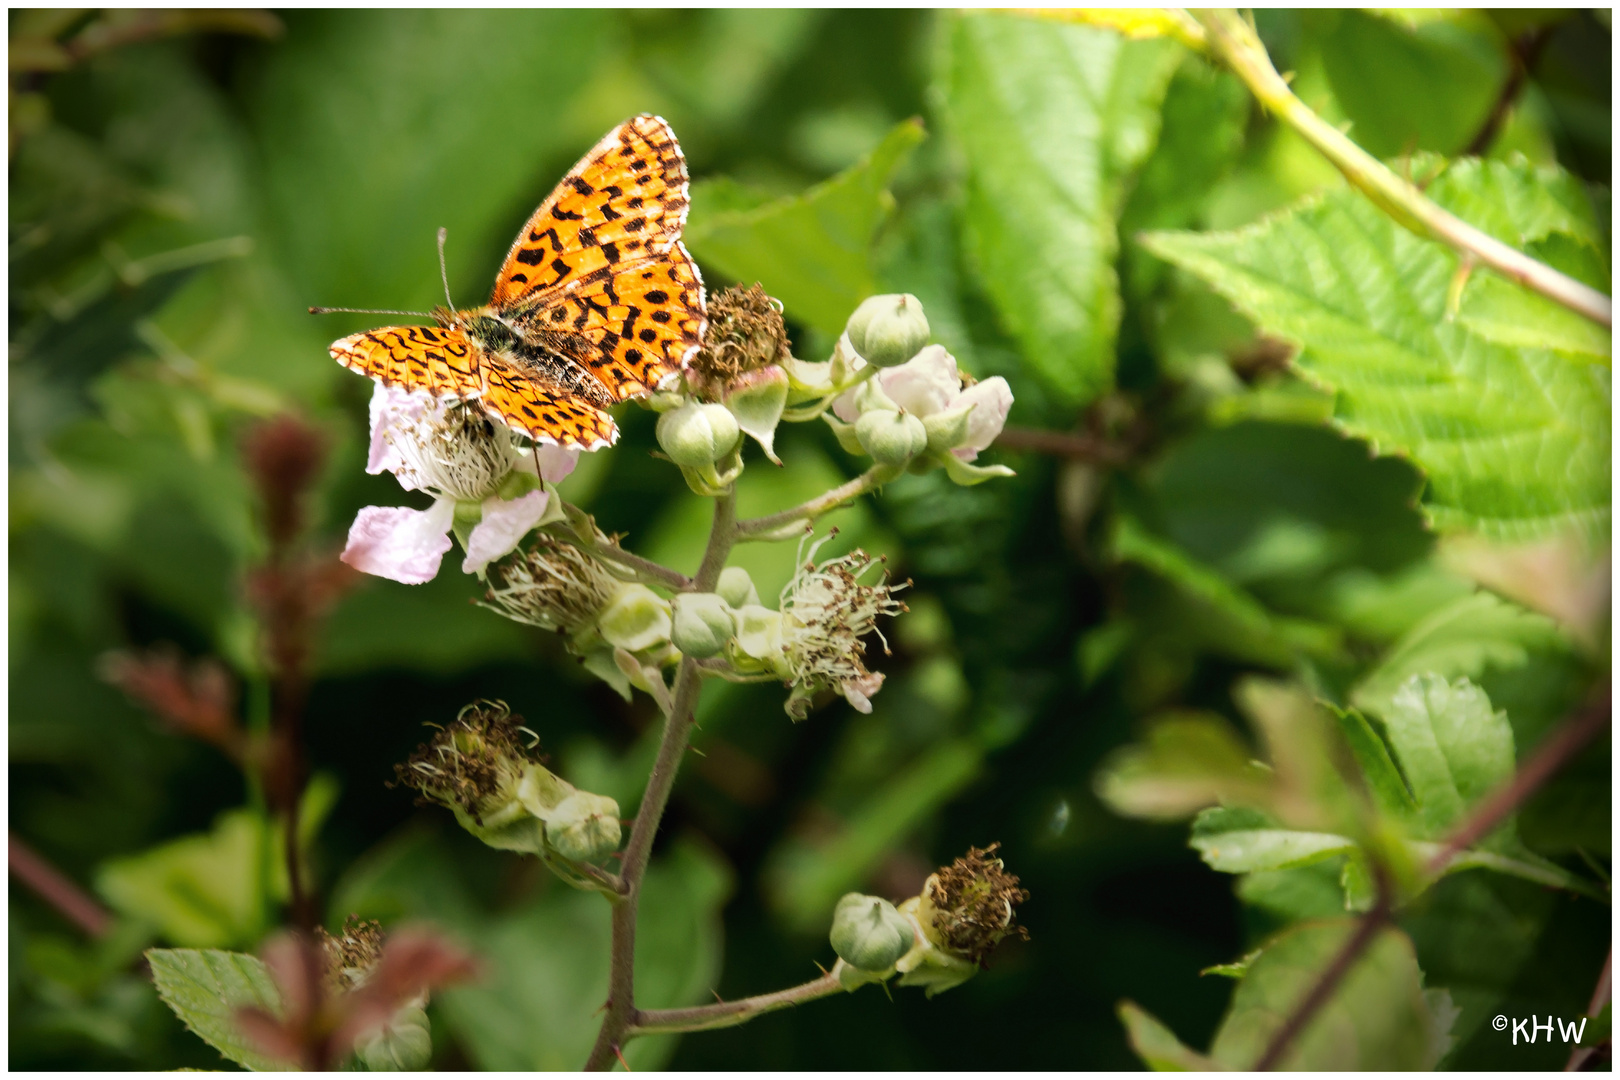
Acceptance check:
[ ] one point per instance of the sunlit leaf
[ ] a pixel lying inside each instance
(205, 988)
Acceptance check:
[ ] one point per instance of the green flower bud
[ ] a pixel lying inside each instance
(888, 330)
(736, 587)
(871, 397)
(697, 435)
(583, 827)
(868, 933)
(702, 625)
(892, 438)
(635, 619)
(403, 1044)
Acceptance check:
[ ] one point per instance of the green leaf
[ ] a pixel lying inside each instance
(211, 889)
(1185, 764)
(1514, 441)
(205, 988)
(1243, 850)
(1465, 637)
(1426, 87)
(215, 888)
(1453, 748)
(1510, 314)
(811, 251)
(1378, 769)
(1053, 119)
(1156, 1044)
(1246, 628)
(1375, 1019)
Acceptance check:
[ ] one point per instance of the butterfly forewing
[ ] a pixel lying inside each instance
(445, 363)
(624, 202)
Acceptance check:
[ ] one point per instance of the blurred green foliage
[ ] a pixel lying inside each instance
(1075, 211)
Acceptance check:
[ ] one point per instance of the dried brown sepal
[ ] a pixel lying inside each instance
(974, 902)
(745, 333)
(468, 761)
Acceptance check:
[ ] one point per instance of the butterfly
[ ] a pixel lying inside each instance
(597, 302)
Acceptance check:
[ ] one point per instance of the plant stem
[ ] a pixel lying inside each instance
(1600, 998)
(1233, 41)
(621, 1006)
(758, 528)
(659, 573)
(57, 889)
(1555, 752)
(731, 1013)
(1064, 444)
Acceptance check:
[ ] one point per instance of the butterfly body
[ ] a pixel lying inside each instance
(597, 302)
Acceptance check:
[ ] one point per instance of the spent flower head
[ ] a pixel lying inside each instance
(552, 584)
(746, 334)
(826, 612)
(352, 953)
(970, 905)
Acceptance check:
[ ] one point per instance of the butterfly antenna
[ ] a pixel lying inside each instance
(369, 311)
(444, 277)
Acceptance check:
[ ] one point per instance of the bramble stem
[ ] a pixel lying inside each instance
(731, 1013)
(621, 1005)
(759, 528)
(1233, 41)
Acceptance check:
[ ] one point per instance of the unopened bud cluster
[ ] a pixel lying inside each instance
(483, 769)
(936, 940)
(919, 412)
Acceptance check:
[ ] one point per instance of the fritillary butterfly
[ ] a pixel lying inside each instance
(598, 302)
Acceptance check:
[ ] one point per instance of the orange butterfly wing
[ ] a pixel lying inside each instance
(599, 273)
(625, 201)
(445, 363)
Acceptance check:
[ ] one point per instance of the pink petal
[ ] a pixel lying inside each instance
(925, 384)
(860, 692)
(991, 400)
(390, 406)
(555, 462)
(504, 524)
(398, 543)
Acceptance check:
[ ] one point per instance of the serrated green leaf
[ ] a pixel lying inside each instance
(205, 988)
(1156, 1044)
(1375, 1019)
(811, 251)
(1452, 746)
(1053, 120)
(1465, 637)
(1514, 441)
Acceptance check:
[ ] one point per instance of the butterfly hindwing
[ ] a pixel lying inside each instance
(632, 330)
(624, 202)
(514, 398)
